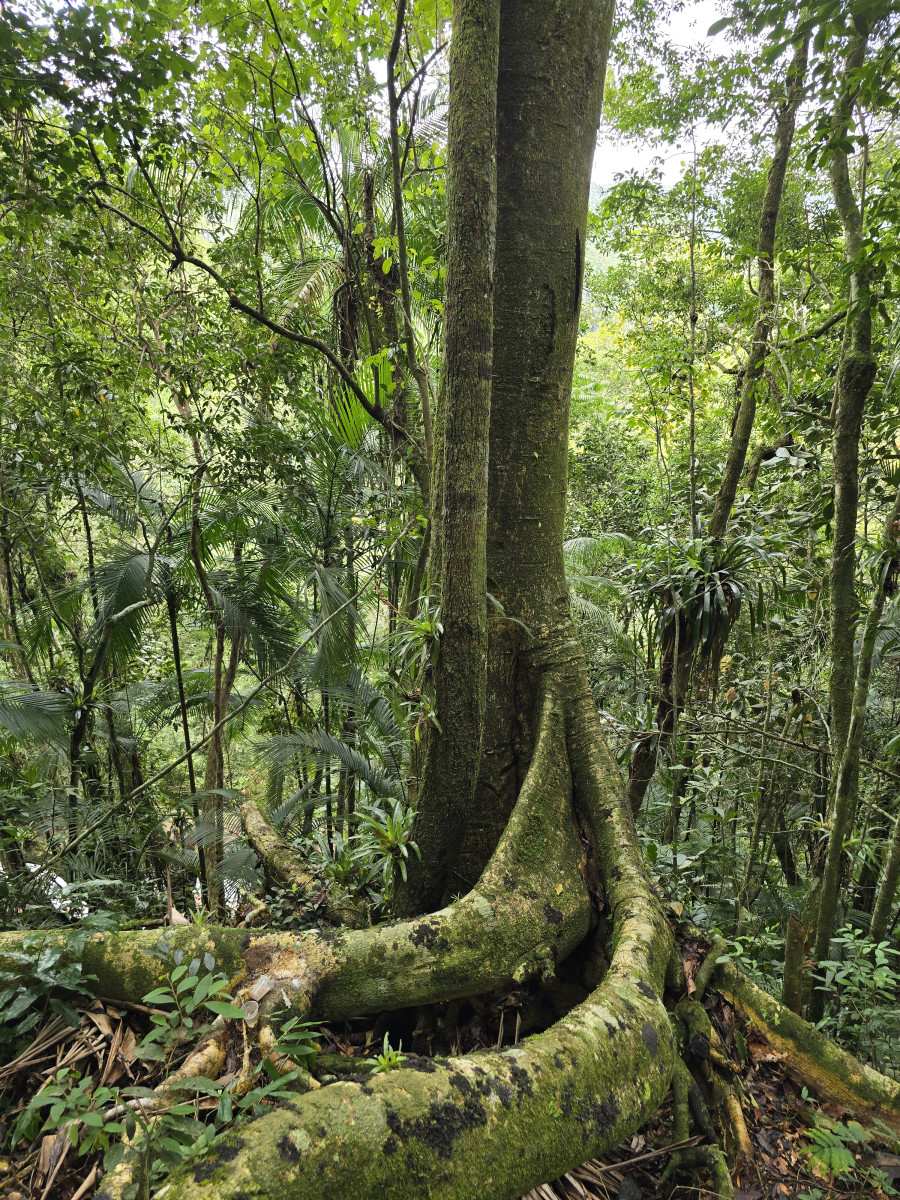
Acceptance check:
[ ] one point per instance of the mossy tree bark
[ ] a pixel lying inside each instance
(819, 1063)
(489, 1125)
(459, 514)
(479, 1126)
(847, 774)
(543, 179)
(848, 681)
(856, 374)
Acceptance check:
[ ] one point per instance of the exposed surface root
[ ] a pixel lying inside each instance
(529, 911)
(486, 1125)
(706, 1158)
(810, 1056)
(490, 1125)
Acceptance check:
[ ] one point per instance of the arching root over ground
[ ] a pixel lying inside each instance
(810, 1056)
(488, 1125)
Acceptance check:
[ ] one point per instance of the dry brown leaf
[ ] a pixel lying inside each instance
(58, 1152)
(833, 1110)
(101, 1020)
(45, 1158)
(126, 1049)
(112, 1063)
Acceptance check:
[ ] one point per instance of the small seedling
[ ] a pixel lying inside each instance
(190, 995)
(388, 1060)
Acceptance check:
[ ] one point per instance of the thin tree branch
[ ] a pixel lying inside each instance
(301, 339)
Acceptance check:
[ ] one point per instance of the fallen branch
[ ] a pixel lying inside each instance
(810, 1056)
(287, 867)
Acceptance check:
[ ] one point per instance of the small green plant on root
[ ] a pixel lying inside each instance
(388, 1060)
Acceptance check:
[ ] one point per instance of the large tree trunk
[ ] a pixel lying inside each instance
(459, 513)
(487, 1126)
(545, 143)
(478, 1127)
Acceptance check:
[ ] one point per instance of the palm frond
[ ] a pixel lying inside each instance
(121, 582)
(588, 551)
(280, 815)
(317, 743)
(308, 283)
(334, 641)
(239, 864)
(36, 715)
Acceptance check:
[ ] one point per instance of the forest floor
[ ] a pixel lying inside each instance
(803, 1147)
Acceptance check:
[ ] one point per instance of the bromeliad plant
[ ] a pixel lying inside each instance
(365, 863)
(388, 1060)
(692, 593)
(390, 828)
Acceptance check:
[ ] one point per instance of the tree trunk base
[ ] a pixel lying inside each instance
(488, 1125)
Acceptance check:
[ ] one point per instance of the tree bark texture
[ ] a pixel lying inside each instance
(847, 773)
(856, 374)
(459, 512)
